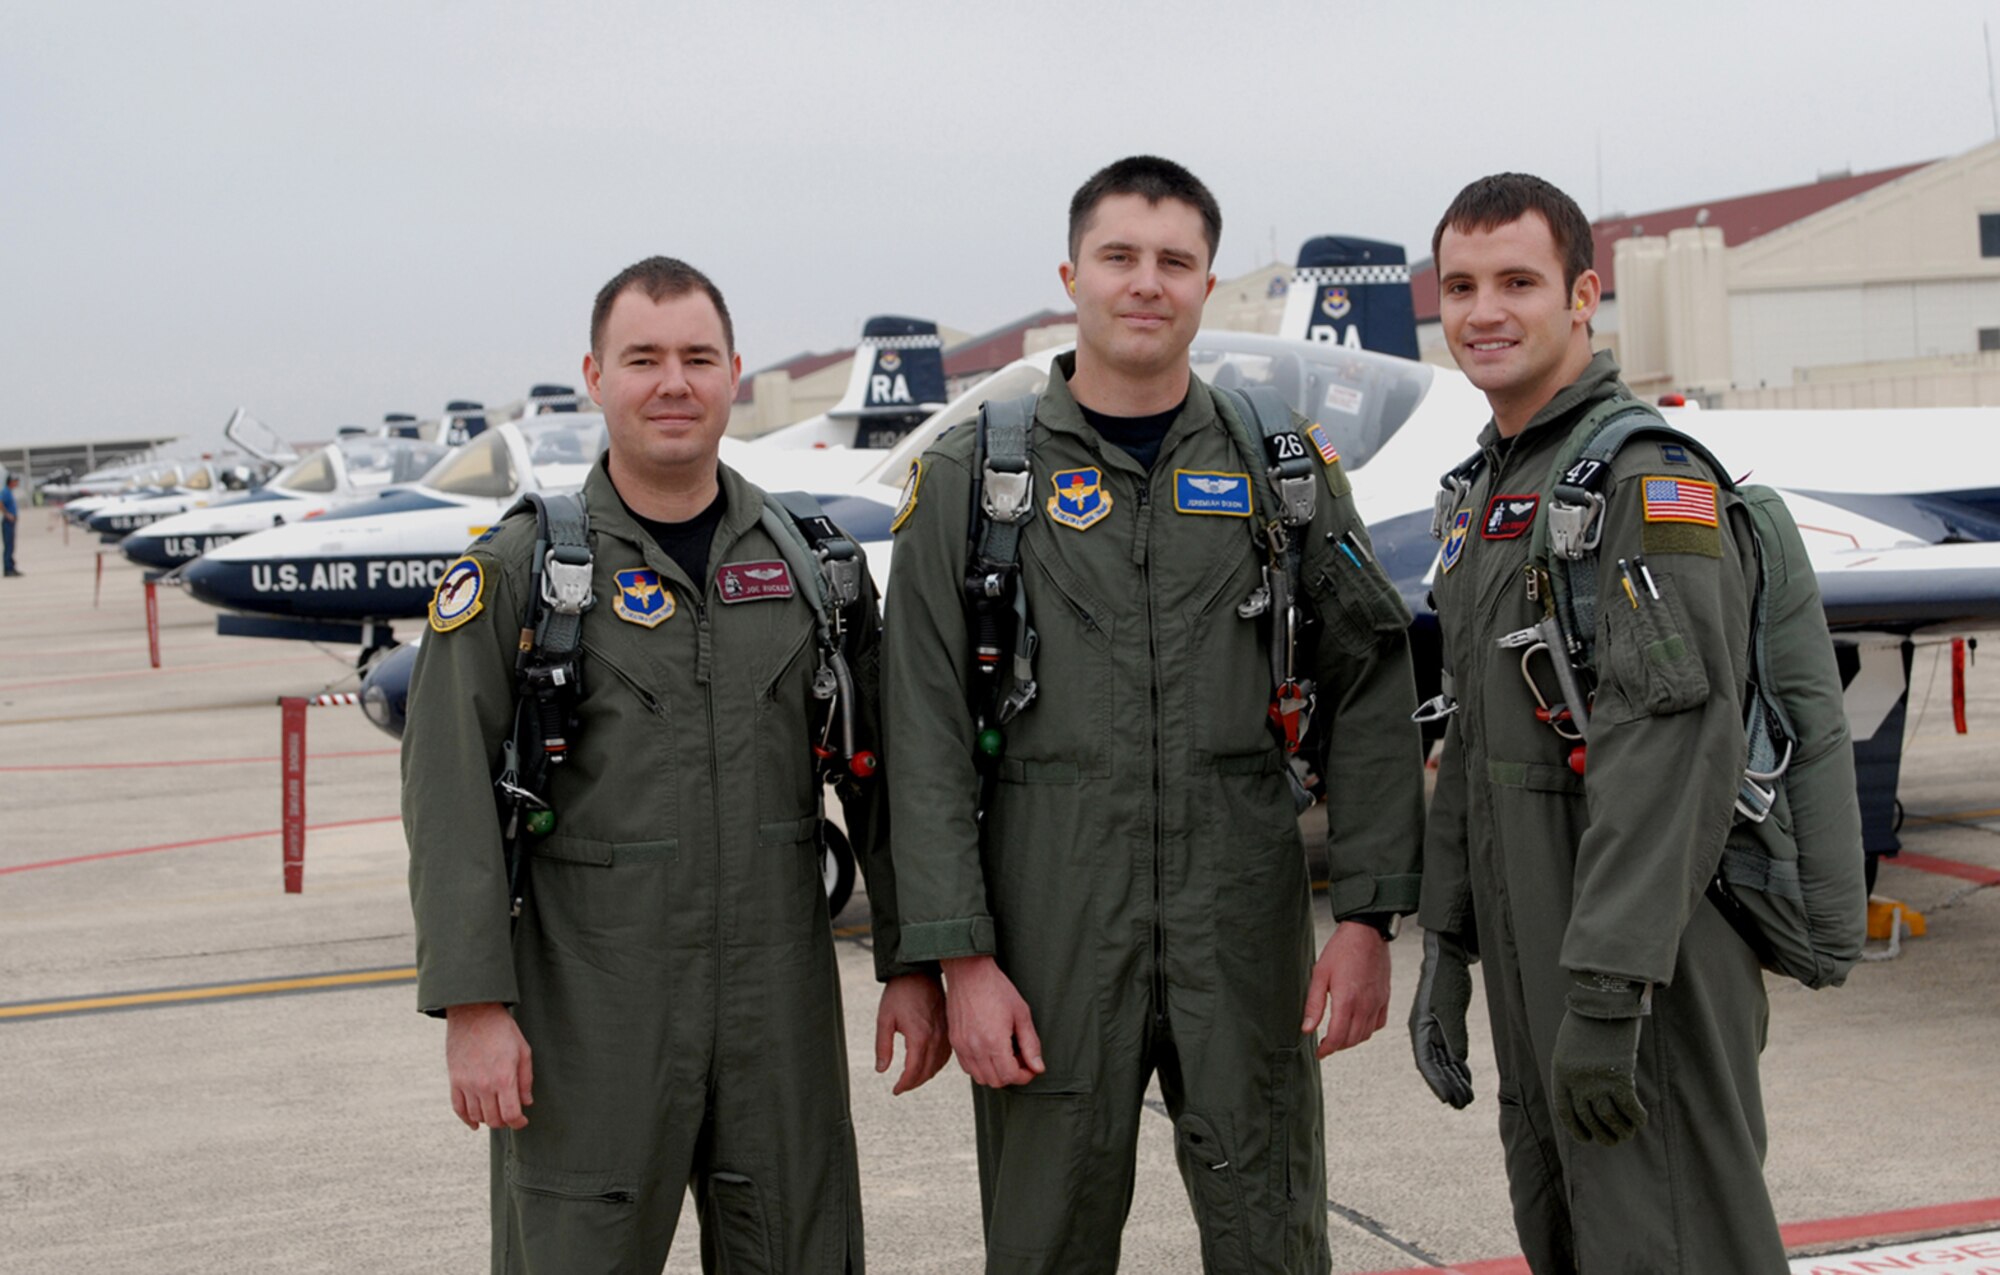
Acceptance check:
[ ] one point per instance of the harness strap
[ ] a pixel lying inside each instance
(1004, 502)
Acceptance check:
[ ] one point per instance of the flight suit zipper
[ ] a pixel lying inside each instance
(704, 675)
(1145, 536)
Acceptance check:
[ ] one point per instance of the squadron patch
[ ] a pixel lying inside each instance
(753, 581)
(1323, 443)
(1454, 541)
(908, 505)
(1508, 516)
(1199, 491)
(457, 597)
(642, 599)
(1080, 500)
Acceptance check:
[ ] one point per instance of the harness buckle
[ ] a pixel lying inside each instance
(1294, 481)
(1575, 530)
(1435, 709)
(840, 565)
(1005, 495)
(1446, 502)
(566, 585)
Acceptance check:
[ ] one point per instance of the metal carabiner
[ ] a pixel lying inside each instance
(1560, 718)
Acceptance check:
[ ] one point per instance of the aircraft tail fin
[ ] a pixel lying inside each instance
(1353, 292)
(897, 381)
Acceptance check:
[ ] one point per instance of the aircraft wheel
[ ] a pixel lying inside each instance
(836, 866)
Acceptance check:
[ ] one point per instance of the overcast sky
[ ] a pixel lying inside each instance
(325, 212)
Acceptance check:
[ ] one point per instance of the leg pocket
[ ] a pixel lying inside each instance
(1031, 1156)
(1535, 1184)
(1215, 1187)
(572, 1220)
(735, 1226)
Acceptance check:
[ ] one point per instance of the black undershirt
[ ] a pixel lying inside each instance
(687, 543)
(1140, 436)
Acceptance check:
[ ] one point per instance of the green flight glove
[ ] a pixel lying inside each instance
(1593, 1081)
(1437, 1019)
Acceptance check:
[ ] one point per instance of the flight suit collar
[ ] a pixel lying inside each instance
(1599, 380)
(1058, 410)
(743, 509)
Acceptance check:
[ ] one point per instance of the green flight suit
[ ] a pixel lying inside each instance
(1142, 878)
(1544, 871)
(673, 971)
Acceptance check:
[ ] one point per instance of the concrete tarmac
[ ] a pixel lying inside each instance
(302, 1128)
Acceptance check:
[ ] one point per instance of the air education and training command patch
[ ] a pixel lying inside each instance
(457, 597)
(1680, 516)
(1454, 542)
(908, 504)
(642, 599)
(1198, 491)
(1080, 500)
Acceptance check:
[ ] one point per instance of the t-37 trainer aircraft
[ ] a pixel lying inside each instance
(352, 467)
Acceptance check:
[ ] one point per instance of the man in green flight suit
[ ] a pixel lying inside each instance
(1135, 900)
(1627, 1014)
(673, 967)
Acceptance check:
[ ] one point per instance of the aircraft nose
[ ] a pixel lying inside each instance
(219, 584)
(148, 550)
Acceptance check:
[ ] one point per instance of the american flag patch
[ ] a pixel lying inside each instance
(1680, 500)
(1322, 444)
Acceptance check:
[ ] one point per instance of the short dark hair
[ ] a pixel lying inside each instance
(659, 278)
(1152, 179)
(1503, 198)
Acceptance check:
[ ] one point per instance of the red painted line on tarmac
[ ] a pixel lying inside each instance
(1834, 1230)
(1946, 867)
(196, 761)
(1873, 1226)
(151, 672)
(184, 845)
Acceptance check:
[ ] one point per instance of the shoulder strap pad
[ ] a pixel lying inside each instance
(1286, 462)
(559, 572)
(823, 558)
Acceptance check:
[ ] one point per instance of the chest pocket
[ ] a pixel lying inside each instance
(1072, 715)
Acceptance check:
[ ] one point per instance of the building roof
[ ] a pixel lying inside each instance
(1741, 219)
(798, 365)
(996, 349)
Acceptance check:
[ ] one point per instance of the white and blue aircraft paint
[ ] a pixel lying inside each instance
(347, 470)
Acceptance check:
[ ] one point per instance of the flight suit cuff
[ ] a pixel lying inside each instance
(1354, 895)
(435, 994)
(942, 940)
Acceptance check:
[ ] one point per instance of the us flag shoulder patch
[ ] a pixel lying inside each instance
(1679, 500)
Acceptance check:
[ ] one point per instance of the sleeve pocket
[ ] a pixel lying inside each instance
(1649, 666)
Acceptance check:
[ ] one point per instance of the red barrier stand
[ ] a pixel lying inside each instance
(292, 761)
(152, 619)
(1958, 684)
(97, 594)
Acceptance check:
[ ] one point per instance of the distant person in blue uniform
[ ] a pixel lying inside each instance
(10, 518)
